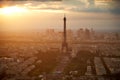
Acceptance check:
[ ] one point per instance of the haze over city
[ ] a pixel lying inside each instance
(59, 40)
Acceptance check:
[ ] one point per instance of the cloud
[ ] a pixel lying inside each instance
(101, 6)
(73, 5)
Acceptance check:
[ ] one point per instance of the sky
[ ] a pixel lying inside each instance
(102, 15)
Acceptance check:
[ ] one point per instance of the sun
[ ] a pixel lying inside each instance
(12, 10)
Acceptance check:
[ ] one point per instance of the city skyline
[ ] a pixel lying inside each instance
(59, 40)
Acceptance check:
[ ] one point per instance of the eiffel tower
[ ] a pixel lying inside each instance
(64, 43)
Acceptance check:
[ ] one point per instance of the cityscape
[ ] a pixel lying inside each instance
(59, 40)
(84, 54)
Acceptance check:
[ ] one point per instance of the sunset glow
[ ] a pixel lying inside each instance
(12, 10)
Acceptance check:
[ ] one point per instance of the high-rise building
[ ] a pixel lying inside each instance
(87, 33)
(80, 33)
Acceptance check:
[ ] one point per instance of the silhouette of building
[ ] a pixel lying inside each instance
(87, 33)
(64, 43)
(92, 33)
(80, 33)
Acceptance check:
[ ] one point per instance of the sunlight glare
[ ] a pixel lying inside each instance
(12, 10)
